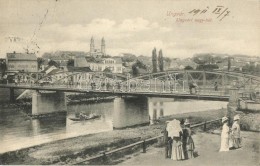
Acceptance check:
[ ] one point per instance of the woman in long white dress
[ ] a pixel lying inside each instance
(224, 136)
(175, 132)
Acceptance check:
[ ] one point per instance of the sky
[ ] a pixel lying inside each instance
(131, 26)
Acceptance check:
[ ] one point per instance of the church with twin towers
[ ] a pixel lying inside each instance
(97, 53)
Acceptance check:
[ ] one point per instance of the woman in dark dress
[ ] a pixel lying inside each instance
(187, 141)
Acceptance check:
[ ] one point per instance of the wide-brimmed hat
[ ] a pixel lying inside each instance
(187, 122)
(224, 119)
(236, 117)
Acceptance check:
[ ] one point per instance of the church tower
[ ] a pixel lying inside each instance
(103, 46)
(92, 46)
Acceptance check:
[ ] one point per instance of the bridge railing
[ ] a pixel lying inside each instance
(142, 143)
(206, 90)
(89, 88)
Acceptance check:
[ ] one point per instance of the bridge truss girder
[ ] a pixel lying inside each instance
(216, 82)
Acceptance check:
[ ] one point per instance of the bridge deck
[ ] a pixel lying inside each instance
(183, 95)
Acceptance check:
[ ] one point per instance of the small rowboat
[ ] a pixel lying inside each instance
(87, 118)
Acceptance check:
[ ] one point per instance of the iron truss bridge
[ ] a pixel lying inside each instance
(192, 84)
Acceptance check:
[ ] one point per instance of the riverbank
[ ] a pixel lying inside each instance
(71, 150)
(207, 146)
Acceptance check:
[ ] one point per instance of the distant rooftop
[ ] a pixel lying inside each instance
(117, 59)
(78, 69)
(80, 61)
(21, 56)
(54, 71)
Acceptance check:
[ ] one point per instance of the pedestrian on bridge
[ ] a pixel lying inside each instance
(193, 86)
(216, 86)
(224, 136)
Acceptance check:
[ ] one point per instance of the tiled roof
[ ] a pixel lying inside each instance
(54, 71)
(63, 63)
(21, 56)
(46, 68)
(142, 71)
(80, 62)
(118, 60)
(79, 69)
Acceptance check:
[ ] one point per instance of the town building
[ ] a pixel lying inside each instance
(96, 60)
(60, 57)
(23, 62)
(97, 53)
(113, 65)
(69, 75)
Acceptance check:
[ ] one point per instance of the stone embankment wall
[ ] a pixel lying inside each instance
(249, 121)
(247, 105)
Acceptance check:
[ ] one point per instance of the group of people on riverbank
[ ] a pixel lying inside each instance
(178, 140)
(230, 138)
(179, 144)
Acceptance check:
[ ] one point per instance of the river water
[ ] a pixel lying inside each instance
(18, 131)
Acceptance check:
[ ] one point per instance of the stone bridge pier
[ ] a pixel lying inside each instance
(7, 95)
(249, 118)
(233, 102)
(130, 111)
(48, 102)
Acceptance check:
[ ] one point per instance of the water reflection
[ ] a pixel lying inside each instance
(17, 131)
(159, 107)
(43, 126)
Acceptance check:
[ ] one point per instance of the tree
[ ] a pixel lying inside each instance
(135, 70)
(251, 68)
(53, 63)
(160, 60)
(207, 67)
(140, 64)
(203, 59)
(188, 68)
(154, 60)
(229, 63)
(40, 62)
(129, 57)
(3, 67)
(207, 61)
(70, 62)
(137, 66)
(219, 59)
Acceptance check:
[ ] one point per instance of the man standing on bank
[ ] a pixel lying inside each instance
(187, 141)
(236, 133)
(167, 143)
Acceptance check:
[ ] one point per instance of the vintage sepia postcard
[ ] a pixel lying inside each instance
(130, 82)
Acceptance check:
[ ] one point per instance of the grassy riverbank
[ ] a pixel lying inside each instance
(207, 146)
(75, 149)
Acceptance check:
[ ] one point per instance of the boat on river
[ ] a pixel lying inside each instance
(85, 118)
